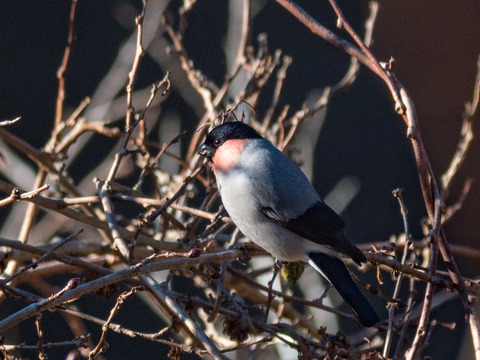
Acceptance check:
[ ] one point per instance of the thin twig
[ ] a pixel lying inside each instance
(16, 195)
(281, 75)
(466, 135)
(66, 259)
(457, 250)
(194, 77)
(41, 351)
(187, 321)
(93, 221)
(418, 343)
(63, 67)
(32, 209)
(139, 51)
(41, 158)
(78, 342)
(352, 72)
(339, 42)
(151, 164)
(102, 343)
(451, 210)
(10, 122)
(406, 318)
(329, 92)
(398, 194)
(143, 267)
(128, 332)
(120, 243)
(35, 263)
(80, 128)
(143, 201)
(130, 124)
(475, 331)
(276, 268)
(180, 192)
(289, 298)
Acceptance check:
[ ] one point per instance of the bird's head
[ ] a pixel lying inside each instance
(224, 144)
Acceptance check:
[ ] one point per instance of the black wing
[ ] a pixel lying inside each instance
(321, 225)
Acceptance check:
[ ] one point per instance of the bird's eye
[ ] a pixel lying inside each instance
(217, 142)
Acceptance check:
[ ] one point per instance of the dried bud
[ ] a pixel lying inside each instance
(194, 253)
(73, 283)
(237, 330)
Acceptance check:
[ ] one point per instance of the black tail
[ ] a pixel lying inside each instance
(336, 272)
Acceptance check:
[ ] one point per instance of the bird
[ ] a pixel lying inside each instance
(274, 205)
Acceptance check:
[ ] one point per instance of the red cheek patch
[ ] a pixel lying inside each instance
(226, 156)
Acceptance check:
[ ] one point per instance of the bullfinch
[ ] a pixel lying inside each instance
(274, 204)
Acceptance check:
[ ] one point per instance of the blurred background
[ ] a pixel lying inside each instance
(361, 141)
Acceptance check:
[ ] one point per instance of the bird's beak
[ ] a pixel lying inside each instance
(205, 150)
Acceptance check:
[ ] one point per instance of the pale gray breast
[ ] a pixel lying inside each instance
(242, 206)
(235, 188)
(277, 181)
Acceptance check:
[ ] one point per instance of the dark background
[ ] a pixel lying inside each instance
(436, 45)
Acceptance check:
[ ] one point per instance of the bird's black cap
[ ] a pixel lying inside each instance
(227, 131)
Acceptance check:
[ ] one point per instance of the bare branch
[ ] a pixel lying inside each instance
(92, 221)
(391, 310)
(119, 242)
(41, 351)
(10, 122)
(145, 266)
(102, 344)
(16, 195)
(466, 135)
(79, 342)
(337, 41)
(42, 258)
(63, 66)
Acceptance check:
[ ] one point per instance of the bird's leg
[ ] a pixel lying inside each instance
(277, 266)
(325, 292)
